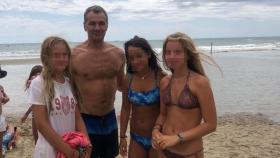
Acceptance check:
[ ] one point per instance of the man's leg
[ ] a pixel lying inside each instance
(111, 145)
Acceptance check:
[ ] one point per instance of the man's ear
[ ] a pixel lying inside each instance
(85, 28)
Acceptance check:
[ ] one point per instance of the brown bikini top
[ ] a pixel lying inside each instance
(186, 99)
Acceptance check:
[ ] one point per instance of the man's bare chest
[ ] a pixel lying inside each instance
(94, 66)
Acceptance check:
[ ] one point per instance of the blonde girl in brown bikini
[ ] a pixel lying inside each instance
(187, 107)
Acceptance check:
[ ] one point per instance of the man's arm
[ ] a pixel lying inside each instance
(120, 77)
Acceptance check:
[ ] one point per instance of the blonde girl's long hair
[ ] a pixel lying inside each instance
(194, 57)
(48, 72)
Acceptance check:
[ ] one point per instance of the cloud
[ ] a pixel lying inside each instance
(165, 10)
(52, 7)
(20, 28)
(33, 20)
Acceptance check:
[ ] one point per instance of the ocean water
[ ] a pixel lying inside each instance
(249, 81)
(219, 45)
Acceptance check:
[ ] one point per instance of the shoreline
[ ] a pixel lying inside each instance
(237, 135)
(20, 61)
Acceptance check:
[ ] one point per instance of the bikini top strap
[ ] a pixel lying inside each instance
(189, 74)
(157, 79)
(168, 88)
(171, 78)
(129, 79)
(188, 78)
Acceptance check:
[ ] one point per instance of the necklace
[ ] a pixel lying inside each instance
(145, 75)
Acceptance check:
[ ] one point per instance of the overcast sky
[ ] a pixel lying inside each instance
(24, 21)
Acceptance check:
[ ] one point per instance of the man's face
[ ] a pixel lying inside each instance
(96, 25)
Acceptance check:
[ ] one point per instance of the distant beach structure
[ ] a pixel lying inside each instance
(211, 48)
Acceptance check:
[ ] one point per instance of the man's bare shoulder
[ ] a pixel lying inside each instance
(112, 48)
(115, 50)
(80, 48)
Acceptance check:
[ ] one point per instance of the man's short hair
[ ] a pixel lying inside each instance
(96, 9)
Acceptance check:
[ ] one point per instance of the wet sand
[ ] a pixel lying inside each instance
(20, 61)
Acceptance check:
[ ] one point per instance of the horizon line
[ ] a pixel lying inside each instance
(233, 37)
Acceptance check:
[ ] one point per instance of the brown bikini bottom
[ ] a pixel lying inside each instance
(169, 154)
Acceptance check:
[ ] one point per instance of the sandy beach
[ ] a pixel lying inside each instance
(248, 86)
(242, 135)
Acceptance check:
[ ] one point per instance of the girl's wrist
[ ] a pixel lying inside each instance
(123, 136)
(89, 146)
(181, 138)
(157, 127)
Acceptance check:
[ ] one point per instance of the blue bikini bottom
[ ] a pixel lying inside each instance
(146, 142)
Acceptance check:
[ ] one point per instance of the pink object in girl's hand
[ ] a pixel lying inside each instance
(76, 140)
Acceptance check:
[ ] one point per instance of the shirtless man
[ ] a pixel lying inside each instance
(98, 70)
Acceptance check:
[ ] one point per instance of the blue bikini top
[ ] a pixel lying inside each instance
(148, 98)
